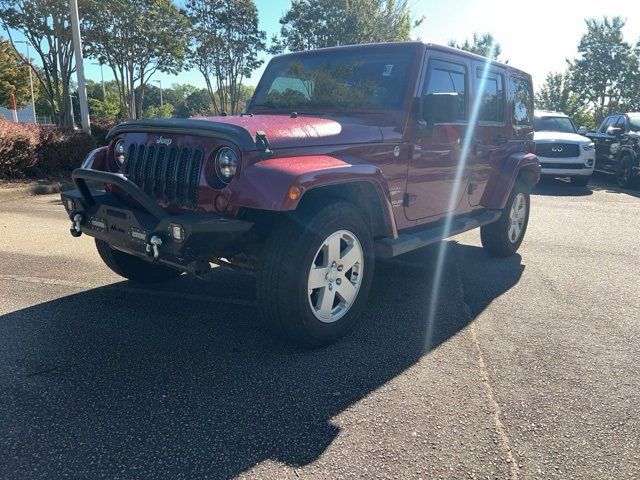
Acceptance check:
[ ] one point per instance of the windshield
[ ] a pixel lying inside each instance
(634, 123)
(553, 124)
(362, 79)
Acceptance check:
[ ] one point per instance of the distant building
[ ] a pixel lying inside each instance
(24, 116)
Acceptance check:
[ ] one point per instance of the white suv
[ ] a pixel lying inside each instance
(561, 150)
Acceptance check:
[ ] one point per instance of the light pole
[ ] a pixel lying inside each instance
(159, 82)
(104, 95)
(77, 46)
(33, 98)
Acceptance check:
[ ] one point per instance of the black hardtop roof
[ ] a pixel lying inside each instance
(415, 44)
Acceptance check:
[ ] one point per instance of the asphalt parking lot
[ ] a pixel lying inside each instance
(529, 369)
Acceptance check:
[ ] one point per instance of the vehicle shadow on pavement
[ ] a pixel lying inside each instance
(114, 380)
(606, 183)
(555, 187)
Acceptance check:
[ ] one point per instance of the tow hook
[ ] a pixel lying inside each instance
(153, 247)
(76, 220)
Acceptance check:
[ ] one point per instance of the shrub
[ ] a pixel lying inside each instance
(30, 150)
(61, 150)
(18, 147)
(100, 127)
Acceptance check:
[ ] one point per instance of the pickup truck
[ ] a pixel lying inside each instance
(344, 154)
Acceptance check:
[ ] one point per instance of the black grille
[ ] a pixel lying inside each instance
(168, 173)
(557, 150)
(563, 166)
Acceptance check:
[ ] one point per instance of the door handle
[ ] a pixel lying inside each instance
(501, 140)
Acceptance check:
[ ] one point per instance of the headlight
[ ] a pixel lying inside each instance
(226, 164)
(119, 151)
(588, 146)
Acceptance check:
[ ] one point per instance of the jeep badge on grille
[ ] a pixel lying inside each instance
(164, 141)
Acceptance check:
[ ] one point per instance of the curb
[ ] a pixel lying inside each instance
(9, 194)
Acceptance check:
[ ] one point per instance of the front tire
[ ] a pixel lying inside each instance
(503, 237)
(316, 274)
(624, 177)
(133, 268)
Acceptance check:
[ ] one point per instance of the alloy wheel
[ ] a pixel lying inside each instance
(335, 276)
(517, 217)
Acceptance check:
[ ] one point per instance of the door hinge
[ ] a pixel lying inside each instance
(405, 200)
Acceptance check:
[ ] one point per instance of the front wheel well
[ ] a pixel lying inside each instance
(529, 175)
(364, 195)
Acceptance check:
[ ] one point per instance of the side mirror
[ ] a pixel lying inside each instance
(583, 130)
(440, 107)
(614, 132)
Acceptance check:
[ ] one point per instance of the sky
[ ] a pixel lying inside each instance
(536, 37)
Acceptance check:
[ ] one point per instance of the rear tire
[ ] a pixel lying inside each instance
(301, 292)
(503, 237)
(133, 268)
(580, 181)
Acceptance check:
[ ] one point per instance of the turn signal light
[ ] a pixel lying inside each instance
(294, 193)
(221, 203)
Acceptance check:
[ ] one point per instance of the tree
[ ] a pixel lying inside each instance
(164, 111)
(14, 76)
(135, 38)
(557, 94)
(311, 24)
(483, 44)
(606, 73)
(46, 25)
(225, 43)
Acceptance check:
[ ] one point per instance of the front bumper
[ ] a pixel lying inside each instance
(581, 166)
(187, 241)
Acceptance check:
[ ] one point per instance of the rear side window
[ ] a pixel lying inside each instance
(446, 77)
(522, 104)
(492, 97)
(608, 122)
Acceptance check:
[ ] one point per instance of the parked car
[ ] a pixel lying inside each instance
(346, 154)
(561, 150)
(618, 147)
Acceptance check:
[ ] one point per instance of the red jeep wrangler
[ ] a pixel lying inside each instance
(344, 154)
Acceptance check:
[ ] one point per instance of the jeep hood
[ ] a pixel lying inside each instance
(283, 131)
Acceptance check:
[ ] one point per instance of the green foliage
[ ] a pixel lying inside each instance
(107, 108)
(225, 44)
(557, 94)
(135, 38)
(164, 111)
(311, 24)
(14, 77)
(46, 26)
(606, 75)
(482, 44)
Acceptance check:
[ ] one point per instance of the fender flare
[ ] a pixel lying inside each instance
(266, 184)
(520, 164)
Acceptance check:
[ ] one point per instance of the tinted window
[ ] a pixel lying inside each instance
(492, 98)
(336, 80)
(445, 77)
(553, 124)
(522, 108)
